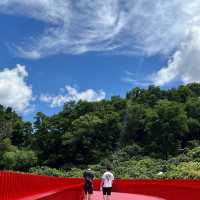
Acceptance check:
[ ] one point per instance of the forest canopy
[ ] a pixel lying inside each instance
(148, 131)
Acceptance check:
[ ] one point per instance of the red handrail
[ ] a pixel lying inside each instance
(15, 186)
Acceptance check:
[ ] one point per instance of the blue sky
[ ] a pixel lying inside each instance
(55, 51)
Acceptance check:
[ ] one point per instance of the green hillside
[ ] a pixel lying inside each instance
(151, 133)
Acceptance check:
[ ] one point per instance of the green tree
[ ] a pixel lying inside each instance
(19, 160)
(166, 127)
(92, 137)
(134, 123)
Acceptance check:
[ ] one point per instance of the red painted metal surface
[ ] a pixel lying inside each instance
(166, 189)
(124, 196)
(15, 186)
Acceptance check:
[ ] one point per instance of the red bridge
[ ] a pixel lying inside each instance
(16, 186)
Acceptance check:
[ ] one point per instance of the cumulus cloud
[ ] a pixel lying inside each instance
(72, 94)
(169, 28)
(184, 64)
(14, 91)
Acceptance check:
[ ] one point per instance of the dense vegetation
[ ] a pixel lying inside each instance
(148, 132)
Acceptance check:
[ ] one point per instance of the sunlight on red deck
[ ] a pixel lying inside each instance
(125, 196)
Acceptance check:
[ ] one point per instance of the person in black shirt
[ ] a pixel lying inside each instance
(88, 176)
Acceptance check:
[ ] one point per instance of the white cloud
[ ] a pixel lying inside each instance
(138, 26)
(49, 11)
(184, 64)
(132, 79)
(14, 91)
(169, 28)
(72, 95)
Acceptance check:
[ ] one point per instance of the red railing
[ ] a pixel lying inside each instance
(16, 186)
(166, 189)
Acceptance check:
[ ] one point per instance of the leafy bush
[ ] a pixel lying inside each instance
(75, 172)
(44, 170)
(185, 170)
(194, 154)
(145, 168)
(19, 160)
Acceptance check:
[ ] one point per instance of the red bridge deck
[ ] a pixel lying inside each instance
(124, 196)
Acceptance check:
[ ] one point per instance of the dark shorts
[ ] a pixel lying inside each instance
(88, 189)
(107, 190)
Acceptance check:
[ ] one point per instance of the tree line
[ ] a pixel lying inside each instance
(147, 123)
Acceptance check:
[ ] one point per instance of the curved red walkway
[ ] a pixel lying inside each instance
(125, 196)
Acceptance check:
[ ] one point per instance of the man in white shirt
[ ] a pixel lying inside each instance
(106, 183)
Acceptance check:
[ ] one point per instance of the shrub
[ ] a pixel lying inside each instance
(44, 170)
(185, 170)
(19, 160)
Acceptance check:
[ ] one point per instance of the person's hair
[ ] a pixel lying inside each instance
(109, 168)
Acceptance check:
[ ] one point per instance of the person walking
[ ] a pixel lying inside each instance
(106, 183)
(88, 176)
